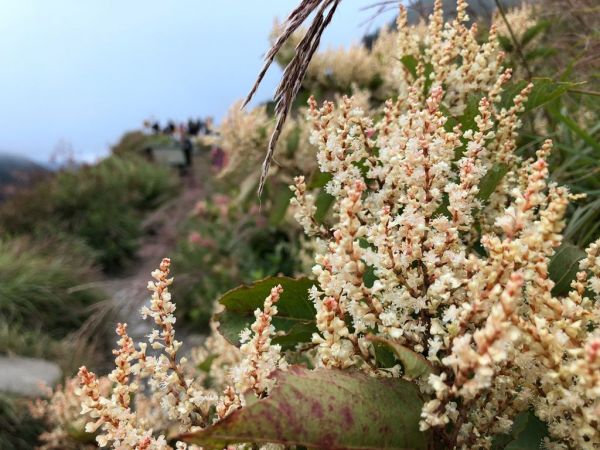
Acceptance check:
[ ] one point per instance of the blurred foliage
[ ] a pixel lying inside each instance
(69, 353)
(574, 35)
(18, 430)
(556, 45)
(131, 143)
(224, 245)
(573, 122)
(44, 290)
(137, 143)
(101, 205)
(55, 235)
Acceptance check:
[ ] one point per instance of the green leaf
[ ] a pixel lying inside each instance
(363, 242)
(467, 120)
(533, 31)
(442, 209)
(323, 204)
(544, 90)
(428, 80)
(280, 205)
(575, 128)
(294, 322)
(301, 99)
(319, 180)
(369, 276)
(540, 52)
(375, 83)
(584, 224)
(383, 355)
(410, 62)
(505, 44)
(323, 201)
(76, 431)
(414, 365)
(363, 167)
(527, 433)
(490, 181)
(325, 408)
(451, 121)
(563, 267)
(293, 141)
(205, 365)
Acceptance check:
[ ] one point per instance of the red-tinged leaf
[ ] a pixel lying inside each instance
(325, 408)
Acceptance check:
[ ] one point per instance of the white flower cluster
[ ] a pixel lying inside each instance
(125, 417)
(260, 357)
(447, 54)
(330, 69)
(185, 402)
(454, 275)
(181, 397)
(305, 208)
(61, 412)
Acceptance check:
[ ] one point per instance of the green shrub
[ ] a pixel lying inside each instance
(100, 204)
(18, 430)
(573, 122)
(576, 126)
(44, 290)
(131, 143)
(223, 246)
(135, 143)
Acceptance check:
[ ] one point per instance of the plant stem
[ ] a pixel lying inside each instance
(514, 39)
(584, 92)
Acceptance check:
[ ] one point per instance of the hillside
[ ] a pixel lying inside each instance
(16, 171)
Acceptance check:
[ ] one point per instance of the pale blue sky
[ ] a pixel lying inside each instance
(84, 71)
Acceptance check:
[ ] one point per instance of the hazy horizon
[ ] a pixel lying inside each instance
(82, 73)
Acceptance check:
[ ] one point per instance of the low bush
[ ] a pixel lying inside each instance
(99, 204)
(45, 290)
(224, 246)
(18, 430)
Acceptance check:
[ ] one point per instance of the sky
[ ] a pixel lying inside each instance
(79, 73)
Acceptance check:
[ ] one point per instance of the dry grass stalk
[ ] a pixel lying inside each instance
(294, 72)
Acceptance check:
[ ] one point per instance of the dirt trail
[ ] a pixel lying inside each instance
(128, 291)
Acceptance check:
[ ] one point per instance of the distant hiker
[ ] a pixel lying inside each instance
(194, 127)
(170, 128)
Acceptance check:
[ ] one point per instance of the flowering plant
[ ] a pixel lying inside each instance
(433, 321)
(224, 244)
(461, 277)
